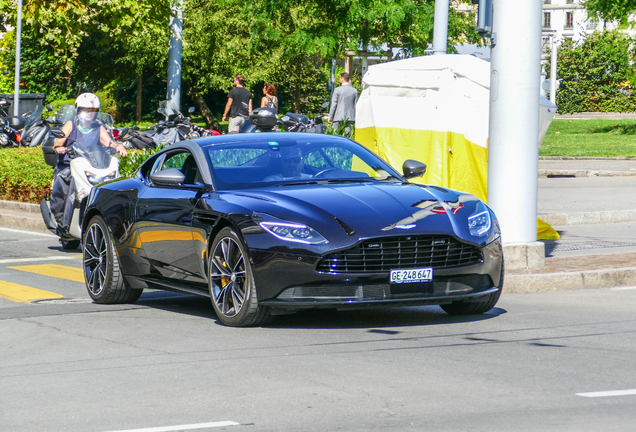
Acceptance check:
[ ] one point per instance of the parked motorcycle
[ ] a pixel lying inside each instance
(10, 127)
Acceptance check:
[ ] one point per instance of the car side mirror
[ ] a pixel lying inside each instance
(412, 168)
(191, 110)
(170, 177)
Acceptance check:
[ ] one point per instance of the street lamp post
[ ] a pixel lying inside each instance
(18, 47)
(174, 59)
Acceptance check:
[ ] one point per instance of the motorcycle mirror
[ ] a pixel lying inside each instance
(191, 110)
(50, 107)
(161, 110)
(135, 127)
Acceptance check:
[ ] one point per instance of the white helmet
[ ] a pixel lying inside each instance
(87, 100)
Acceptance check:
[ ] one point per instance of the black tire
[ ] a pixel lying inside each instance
(231, 282)
(70, 244)
(102, 274)
(480, 307)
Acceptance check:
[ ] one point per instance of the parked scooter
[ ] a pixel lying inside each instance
(10, 127)
(90, 165)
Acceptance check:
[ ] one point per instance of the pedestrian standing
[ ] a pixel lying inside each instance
(269, 99)
(239, 104)
(343, 104)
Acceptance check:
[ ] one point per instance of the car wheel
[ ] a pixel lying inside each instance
(231, 282)
(471, 308)
(102, 274)
(70, 244)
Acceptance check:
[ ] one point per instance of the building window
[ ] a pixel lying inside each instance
(546, 20)
(569, 19)
(547, 1)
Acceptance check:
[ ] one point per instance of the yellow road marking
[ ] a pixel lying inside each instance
(24, 294)
(54, 270)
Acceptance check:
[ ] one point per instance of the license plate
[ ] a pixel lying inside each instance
(411, 275)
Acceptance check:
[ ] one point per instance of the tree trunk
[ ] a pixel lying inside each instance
(297, 97)
(203, 108)
(138, 101)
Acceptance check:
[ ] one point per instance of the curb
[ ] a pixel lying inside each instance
(612, 216)
(19, 206)
(543, 173)
(566, 281)
(22, 222)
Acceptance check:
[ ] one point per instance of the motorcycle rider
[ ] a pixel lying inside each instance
(84, 130)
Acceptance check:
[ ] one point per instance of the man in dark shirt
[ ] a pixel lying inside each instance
(239, 104)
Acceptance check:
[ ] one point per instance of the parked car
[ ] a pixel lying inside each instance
(265, 224)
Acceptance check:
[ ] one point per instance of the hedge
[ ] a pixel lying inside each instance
(24, 176)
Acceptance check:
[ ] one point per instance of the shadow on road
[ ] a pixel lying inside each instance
(372, 318)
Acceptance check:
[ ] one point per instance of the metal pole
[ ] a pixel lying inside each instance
(440, 27)
(553, 69)
(174, 58)
(18, 48)
(514, 118)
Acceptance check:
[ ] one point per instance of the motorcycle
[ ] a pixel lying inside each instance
(10, 127)
(165, 132)
(90, 165)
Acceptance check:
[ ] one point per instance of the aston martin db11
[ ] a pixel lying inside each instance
(271, 223)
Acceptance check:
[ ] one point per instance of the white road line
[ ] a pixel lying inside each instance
(28, 232)
(49, 258)
(184, 427)
(631, 392)
(623, 288)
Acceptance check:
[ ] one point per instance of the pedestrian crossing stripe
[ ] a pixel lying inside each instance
(24, 294)
(54, 270)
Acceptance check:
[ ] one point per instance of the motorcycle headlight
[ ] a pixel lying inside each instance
(95, 180)
(292, 232)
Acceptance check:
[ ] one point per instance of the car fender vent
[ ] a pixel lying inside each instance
(346, 227)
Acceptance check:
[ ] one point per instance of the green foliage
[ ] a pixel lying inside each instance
(610, 10)
(596, 75)
(24, 176)
(128, 165)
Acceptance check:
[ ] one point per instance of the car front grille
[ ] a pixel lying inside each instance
(385, 254)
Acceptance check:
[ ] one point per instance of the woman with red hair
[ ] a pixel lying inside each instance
(269, 96)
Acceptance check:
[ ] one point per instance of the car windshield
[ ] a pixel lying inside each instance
(292, 161)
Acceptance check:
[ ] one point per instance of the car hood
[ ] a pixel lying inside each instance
(364, 210)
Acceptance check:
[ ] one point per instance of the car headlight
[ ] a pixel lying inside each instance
(479, 222)
(292, 232)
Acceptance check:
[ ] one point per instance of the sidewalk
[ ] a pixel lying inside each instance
(594, 213)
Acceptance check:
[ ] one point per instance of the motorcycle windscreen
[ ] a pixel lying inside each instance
(96, 154)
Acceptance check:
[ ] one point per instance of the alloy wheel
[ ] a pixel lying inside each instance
(95, 256)
(228, 277)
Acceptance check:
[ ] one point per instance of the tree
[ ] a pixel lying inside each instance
(610, 10)
(596, 75)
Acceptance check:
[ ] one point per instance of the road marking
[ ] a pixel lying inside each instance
(24, 294)
(183, 427)
(49, 258)
(631, 392)
(623, 288)
(28, 232)
(54, 270)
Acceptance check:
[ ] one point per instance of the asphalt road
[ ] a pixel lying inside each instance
(536, 362)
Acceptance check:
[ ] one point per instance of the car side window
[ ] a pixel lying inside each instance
(183, 161)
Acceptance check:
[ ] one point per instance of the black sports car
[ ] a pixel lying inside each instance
(269, 223)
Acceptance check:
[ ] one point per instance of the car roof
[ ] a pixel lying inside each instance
(264, 137)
